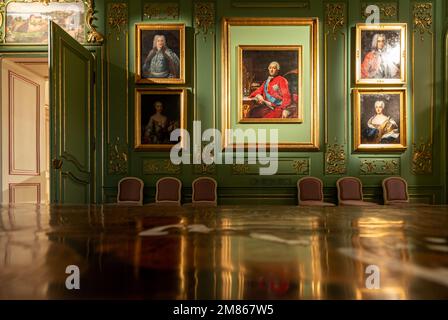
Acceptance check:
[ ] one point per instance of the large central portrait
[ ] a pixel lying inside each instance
(270, 79)
(270, 83)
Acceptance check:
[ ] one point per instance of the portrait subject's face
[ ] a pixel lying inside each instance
(273, 71)
(381, 42)
(378, 108)
(160, 43)
(159, 107)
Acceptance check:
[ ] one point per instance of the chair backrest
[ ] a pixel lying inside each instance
(130, 191)
(205, 191)
(349, 188)
(310, 189)
(168, 190)
(395, 190)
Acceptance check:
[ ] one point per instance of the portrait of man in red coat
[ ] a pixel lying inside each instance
(273, 97)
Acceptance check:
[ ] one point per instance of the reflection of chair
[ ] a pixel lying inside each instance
(204, 191)
(395, 191)
(310, 193)
(130, 191)
(350, 192)
(168, 191)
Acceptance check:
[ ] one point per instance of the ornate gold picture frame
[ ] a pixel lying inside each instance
(160, 53)
(158, 112)
(270, 84)
(379, 120)
(381, 53)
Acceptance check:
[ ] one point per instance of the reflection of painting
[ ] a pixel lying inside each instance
(270, 83)
(28, 22)
(381, 51)
(380, 119)
(160, 53)
(159, 112)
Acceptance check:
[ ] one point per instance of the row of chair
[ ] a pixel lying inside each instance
(168, 191)
(310, 192)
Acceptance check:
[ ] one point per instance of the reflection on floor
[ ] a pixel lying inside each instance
(228, 252)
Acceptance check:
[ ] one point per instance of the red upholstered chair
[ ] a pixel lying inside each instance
(310, 193)
(168, 191)
(395, 191)
(350, 192)
(204, 192)
(130, 191)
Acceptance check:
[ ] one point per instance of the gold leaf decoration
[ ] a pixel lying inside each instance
(335, 16)
(335, 160)
(302, 167)
(158, 166)
(423, 18)
(380, 167)
(204, 16)
(118, 17)
(422, 159)
(118, 158)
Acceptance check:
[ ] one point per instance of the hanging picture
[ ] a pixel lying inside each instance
(270, 83)
(379, 120)
(160, 53)
(381, 53)
(157, 114)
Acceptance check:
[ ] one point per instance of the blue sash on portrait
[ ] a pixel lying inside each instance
(271, 99)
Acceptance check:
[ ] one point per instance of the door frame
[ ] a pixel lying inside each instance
(98, 112)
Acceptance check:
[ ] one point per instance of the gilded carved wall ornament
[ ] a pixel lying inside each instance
(335, 160)
(301, 167)
(379, 167)
(204, 16)
(240, 169)
(423, 18)
(205, 168)
(422, 159)
(118, 17)
(388, 10)
(161, 11)
(157, 166)
(118, 158)
(335, 17)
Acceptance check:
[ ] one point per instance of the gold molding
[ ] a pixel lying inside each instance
(422, 18)
(161, 11)
(204, 17)
(118, 158)
(335, 18)
(301, 167)
(422, 159)
(335, 160)
(272, 4)
(379, 167)
(388, 10)
(160, 167)
(118, 17)
(93, 36)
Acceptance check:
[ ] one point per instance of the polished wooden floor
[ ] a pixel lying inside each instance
(228, 252)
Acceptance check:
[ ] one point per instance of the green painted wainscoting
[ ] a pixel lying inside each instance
(423, 164)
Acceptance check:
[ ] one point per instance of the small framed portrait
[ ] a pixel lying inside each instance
(157, 114)
(379, 120)
(160, 53)
(270, 84)
(381, 53)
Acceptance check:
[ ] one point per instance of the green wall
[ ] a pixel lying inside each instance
(423, 164)
(425, 172)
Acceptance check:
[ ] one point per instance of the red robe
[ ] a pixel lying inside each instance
(278, 89)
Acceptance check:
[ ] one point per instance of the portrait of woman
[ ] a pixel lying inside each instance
(160, 53)
(158, 113)
(380, 119)
(381, 128)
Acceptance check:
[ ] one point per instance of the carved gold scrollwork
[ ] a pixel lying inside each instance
(93, 36)
(118, 158)
(160, 167)
(335, 160)
(204, 16)
(422, 159)
(387, 10)
(335, 16)
(118, 17)
(379, 167)
(302, 167)
(423, 18)
(161, 11)
(240, 169)
(205, 169)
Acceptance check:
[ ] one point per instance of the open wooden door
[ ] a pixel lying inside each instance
(72, 123)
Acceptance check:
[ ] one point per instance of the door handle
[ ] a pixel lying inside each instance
(57, 163)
